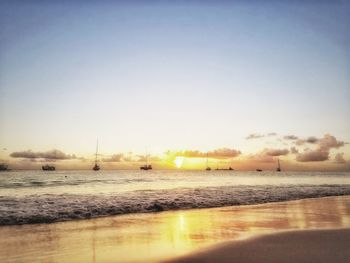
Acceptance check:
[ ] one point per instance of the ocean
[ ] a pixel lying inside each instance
(28, 197)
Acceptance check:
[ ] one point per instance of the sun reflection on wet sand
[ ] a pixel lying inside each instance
(157, 236)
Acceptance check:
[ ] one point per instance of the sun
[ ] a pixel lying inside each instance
(179, 161)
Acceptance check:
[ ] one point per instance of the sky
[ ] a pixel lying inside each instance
(170, 78)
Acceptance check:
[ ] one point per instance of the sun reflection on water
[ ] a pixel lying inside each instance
(157, 236)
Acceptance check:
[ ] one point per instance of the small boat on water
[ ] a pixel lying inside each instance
(48, 167)
(4, 167)
(225, 169)
(208, 168)
(258, 170)
(278, 166)
(146, 166)
(96, 167)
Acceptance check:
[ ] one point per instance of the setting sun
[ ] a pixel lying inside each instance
(179, 161)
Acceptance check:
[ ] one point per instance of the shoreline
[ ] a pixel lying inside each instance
(177, 210)
(322, 246)
(156, 237)
(52, 208)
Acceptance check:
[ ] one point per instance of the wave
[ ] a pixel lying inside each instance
(49, 208)
(70, 182)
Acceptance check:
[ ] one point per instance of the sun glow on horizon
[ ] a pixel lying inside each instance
(179, 161)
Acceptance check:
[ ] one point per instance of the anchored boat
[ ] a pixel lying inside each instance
(4, 167)
(146, 166)
(48, 167)
(278, 166)
(96, 166)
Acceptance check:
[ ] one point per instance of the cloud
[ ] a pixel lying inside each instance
(294, 150)
(224, 153)
(49, 155)
(315, 140)
(290, 137)
(192, 153)
(311, 140)
(317, 155)
(114, 158)
(328, 141)
(143, 158)
(339, 158)
(221, 153)
(267, 155)
(271, 134)
(254, 136)
(258, 135)
(323, 147)
(129, 157)
(276, 152)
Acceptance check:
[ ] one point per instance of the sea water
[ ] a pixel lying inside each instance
(44, 197)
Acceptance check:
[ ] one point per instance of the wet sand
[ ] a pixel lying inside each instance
(161, 236)
(322, 246)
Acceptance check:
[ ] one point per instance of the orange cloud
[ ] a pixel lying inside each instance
(321, 153)
(221, 153)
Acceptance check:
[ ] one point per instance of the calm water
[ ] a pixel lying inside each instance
(38, 196)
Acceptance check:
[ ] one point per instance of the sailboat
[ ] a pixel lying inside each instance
(208, 168)
(279, 166)
(223, 169)
(4, 167)
(146, 166)
(48, 167)
(96, 166)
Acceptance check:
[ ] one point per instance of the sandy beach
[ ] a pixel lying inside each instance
(292, 246)
(157, 237)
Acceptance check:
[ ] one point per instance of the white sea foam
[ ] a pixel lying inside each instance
(47, 208)
(43, 197)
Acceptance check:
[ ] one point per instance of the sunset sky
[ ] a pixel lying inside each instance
(246, 83)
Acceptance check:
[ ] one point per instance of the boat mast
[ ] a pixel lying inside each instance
(96, 152)
(146, 157)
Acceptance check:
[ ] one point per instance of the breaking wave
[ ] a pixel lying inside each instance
(48, 208)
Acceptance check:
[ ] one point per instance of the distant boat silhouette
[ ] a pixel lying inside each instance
(4, 167)
(225, 169)
(208, 168)
(48, 167)
(258, 170)
(96, 166)
(146, 166)
(279, 166)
